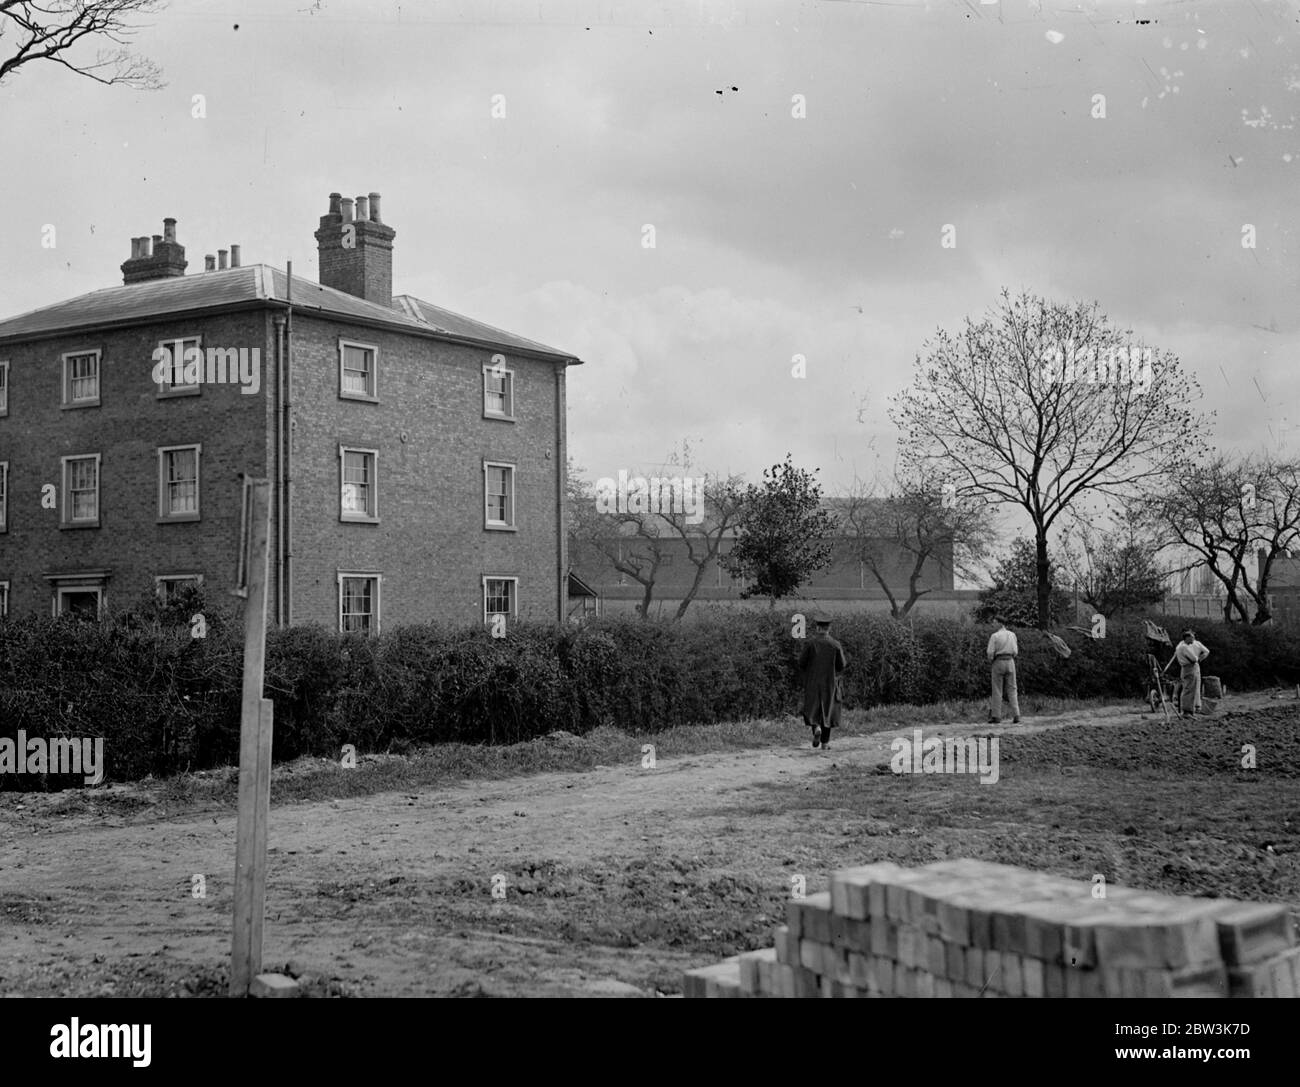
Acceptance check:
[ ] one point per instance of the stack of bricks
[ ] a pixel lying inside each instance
(966, 928)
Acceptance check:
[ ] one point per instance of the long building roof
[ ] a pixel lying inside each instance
(249, 284)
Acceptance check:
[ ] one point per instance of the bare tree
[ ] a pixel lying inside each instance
(1277, 525)
(633, 544)
(1040, 403)
(1229, 511)
(723, 503)
(918, 522)
(691, 515)
(53, 30)
(1114, 566)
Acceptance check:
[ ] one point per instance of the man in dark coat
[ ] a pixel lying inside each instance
(820, 664)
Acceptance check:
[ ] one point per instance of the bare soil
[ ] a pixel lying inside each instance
(619, 878)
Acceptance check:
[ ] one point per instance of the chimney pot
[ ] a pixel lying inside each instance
(374, 208)
(363, 209)
(234, 256)
(347, 210)
(209, 263)
(159, 257)
(221, 259)
(334, 203)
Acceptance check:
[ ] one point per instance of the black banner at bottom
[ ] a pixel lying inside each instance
(82, 1038)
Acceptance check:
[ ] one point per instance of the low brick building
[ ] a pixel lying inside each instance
(417, 456)
(845, 586)
(1284, 591)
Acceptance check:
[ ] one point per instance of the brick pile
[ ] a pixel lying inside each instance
(966, 928)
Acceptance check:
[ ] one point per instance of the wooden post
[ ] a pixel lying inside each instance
(254, 749)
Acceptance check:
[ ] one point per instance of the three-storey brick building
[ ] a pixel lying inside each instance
(417, 456)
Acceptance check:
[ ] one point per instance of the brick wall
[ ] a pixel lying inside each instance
(364, 268)
(126, 429)
(430, 544)
(846, 578)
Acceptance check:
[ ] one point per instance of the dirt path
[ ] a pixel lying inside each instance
(391, 894)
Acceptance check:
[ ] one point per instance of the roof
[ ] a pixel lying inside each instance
(251, 284)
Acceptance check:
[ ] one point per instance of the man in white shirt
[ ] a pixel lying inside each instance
(1189, 655)
(1002, 652)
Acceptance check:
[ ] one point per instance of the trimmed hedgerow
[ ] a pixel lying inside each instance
(164, 701)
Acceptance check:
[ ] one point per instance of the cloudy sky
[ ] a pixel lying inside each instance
(775, 234)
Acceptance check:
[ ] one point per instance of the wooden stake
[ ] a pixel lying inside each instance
(254, 751)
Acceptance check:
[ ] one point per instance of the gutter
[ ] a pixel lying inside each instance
(288, 449)
(278, 325)
(284, 451)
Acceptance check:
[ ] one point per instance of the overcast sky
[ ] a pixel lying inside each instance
(775, 235)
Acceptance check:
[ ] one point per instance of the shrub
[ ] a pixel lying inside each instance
(165, 701)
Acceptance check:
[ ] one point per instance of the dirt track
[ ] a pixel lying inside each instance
(391, 894)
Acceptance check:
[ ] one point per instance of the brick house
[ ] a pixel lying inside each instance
(417, 456)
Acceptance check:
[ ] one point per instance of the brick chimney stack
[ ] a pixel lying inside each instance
(356, 254)
(163, 258)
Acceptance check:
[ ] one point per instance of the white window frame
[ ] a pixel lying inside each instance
(507, 416)
(4, 599)
(166, 389)
(371, 516)
(65, 509)
(513, 613)
(366, 575)
(165, 516)
(372, 396)
(84, 402)
(510, 524)
(61, 590)
(4, 496)
(4, 388)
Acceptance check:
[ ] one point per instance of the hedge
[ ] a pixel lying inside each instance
(166, 702)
